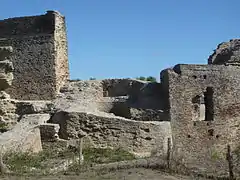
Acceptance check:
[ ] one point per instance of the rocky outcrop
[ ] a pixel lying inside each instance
(141, 138)
(227, 53)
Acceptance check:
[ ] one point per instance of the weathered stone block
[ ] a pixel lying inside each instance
(33, 107)
(25, 136)
(35, 119)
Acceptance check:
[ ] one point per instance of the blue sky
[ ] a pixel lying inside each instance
(130, 38)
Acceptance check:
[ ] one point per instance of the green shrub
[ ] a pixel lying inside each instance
(149, 78)
(3, 127)
(141, 78)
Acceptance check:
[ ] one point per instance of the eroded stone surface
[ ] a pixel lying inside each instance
(25, 136)
(5, 52)
(127, 98)
(196, 140)
(39, 55)
(227, 53)
(139, 137)
(6, 68)
(49, 132)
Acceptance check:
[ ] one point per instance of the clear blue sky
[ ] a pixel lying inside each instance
(129, 38)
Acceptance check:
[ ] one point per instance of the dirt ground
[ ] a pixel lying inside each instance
(131, 174)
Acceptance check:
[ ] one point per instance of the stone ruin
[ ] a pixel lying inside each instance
(194, 106)
(39, 55)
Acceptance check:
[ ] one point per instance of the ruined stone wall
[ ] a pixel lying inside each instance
(37, 56)
(200, 138)
(227, 53)
(61, 46)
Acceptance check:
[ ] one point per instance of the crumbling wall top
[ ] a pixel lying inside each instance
(29, 25)
(227, 53)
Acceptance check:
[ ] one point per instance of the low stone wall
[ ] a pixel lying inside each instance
(141, 138)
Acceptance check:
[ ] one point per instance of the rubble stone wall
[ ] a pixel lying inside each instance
(198, 142)
(142, 138)
(39, 56)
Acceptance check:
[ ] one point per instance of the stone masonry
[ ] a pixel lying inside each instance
(227, 53)
(204, 112)
(196, 107)
(39, 55)
(7, 112)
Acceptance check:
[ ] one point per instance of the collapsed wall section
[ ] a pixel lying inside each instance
(39, 56)
(204, 113)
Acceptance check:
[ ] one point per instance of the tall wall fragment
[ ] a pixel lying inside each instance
(39, 55)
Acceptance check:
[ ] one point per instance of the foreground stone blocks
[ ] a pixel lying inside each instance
(141, 138)
(25, 136)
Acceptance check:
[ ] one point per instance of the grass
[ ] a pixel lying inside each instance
(216, 155)
(101, 156)
(25, 163)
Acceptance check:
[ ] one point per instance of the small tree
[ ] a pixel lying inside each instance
(141, 78)
(151, 79)
(92, 78)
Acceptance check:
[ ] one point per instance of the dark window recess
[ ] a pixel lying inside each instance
(195, 77)
(204, 76)
(208, 101)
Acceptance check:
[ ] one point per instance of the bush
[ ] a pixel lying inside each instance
(141, 78)
(149, 78)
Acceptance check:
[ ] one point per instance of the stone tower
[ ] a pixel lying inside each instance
(39, 57)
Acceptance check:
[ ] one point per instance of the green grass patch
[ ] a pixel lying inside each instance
(26, 162)
(101, 156)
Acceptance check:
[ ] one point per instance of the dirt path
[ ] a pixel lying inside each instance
(131, 174)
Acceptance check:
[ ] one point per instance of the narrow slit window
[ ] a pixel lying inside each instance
(203, 106)
(208, 100)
